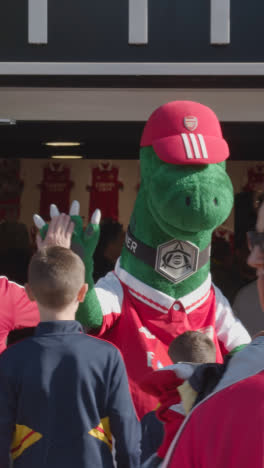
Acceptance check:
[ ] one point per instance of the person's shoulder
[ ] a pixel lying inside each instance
(249, 291)
(248, 288)
(99, 347)
(4, 281)
(5, 284)
(17, 352)
(10, 291)
(95, 342)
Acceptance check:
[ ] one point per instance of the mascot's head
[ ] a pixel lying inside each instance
(183, 157)
(185, 193)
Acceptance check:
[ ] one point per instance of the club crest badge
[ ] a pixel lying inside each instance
(177, 260)
(190, 122)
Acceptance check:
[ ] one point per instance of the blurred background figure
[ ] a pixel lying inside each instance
(230, 269)
(15, 251)
(15, 255)
(222, 259)
(247, 308)
(246, 304)
(109, 247)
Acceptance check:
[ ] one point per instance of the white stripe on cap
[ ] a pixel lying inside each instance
(203, 146)
(195, 146)
(187, 145)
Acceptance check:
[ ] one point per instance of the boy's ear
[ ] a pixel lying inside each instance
(82, 292)
(30, 294)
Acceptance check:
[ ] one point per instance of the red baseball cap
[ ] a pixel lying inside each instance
(185, 132)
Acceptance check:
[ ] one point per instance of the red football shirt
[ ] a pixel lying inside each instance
(104, 191)
(17, 311)
(55, 188)
(146, 321)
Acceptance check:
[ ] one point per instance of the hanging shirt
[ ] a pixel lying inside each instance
(104, 191)
(55, 189)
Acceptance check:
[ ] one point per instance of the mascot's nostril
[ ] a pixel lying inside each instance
(188, 201)
(216, 201)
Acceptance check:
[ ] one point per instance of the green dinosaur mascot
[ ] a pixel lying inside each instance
(161, 286)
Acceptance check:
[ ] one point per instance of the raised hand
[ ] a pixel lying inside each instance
(67, 231)
(59, 231)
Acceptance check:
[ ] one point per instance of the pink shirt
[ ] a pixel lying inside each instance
(16, 310)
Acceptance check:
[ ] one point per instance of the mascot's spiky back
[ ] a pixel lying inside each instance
(161, 286)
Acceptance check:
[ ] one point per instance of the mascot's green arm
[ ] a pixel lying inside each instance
(89, 313)
(84, 243)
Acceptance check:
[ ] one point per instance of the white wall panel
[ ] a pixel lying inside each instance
(38, 21)
(124, 104)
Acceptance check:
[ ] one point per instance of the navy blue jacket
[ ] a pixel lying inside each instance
(65, 402)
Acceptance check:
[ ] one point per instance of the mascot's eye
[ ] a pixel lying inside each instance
(188, 201)
(215, 201)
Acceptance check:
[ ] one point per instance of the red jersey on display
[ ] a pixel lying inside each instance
(104, 191)
(142, 322)
(55, 188)
(17, 311)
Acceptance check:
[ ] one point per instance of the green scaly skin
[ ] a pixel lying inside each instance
(84, 243)
(162, 213)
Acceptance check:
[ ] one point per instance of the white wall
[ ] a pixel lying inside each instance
(233, 105)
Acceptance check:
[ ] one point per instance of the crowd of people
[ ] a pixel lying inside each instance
(149, 367)
(61, 390)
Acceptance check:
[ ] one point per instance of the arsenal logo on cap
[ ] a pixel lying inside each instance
(185, 132)
(190, 122)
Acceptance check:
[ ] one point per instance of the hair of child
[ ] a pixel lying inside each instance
(55, 276)
(192, 346)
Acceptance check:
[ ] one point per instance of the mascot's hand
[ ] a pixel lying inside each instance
(67, 231)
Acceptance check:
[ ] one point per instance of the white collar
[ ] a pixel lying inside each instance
(160, 300)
